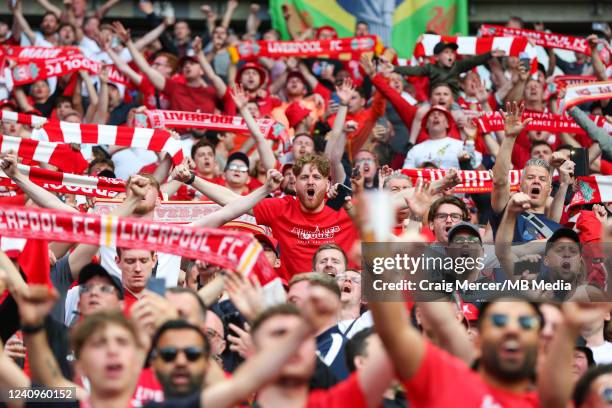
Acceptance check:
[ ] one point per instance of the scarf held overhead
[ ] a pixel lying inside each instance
(338, 48)
(542, 121)
(472, 181)
(548, 40)
(228, 249)
(589, 92)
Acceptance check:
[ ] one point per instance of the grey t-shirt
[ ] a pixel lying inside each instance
(61, 276)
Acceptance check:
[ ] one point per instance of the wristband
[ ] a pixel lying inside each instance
(27, 329)
(191, 179)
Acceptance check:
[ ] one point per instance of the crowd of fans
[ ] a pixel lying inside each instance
(214, 337)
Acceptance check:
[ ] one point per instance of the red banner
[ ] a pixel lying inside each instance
(563, 81)
(472, 181)
(549, 122)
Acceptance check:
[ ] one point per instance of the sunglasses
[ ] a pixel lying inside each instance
(169, 354)
(237, 167)
(525, 322)
(341, 277)
(606, 395)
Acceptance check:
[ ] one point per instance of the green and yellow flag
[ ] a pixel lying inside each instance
(399, 22)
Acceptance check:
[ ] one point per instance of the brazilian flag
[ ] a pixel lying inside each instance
(404, 19)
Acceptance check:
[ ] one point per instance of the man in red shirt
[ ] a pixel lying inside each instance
(300, 224)
(509, 337)
(362, 389)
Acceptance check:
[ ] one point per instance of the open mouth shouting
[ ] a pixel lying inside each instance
(535, 190)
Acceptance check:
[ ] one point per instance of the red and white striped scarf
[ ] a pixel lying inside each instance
(56, 181)
(542, 121)
(157, 140)
(474, 45)
(59, 155)
(578, 94)
(563, 81)
(548, 40)
(228, 249)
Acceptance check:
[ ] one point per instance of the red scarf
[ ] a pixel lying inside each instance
(472, 181)
(542, 121)
(338, 48)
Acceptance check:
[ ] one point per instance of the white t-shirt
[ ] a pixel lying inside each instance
(351, 327)
(442, 152)
(602, 354)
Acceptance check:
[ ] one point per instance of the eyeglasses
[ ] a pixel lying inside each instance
(606, 395)
(169, 354)
(444, 216)
(237, 167)
(466, 240)
(87, 288)
(526, 322)
(341, 277)
(213, 334)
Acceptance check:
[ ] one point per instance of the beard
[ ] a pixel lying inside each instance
(171, 391)
(509, 371)
(311, 204)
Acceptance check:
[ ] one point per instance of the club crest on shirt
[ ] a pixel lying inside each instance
(316, 234)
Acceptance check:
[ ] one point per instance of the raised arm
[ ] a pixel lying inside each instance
(265, 365)
(22, 99)
(598, 66)
(210, 73)
(40, 196)
(124, 67)
(242, 205)
(566, 179)
(151, 36)
(232, 5)
(505, 233)
(102, 111)
(253, 21)
(334, 149)
(555, 379)
(219, 194)
(46, 4)
(22, 22)
(449, 332)
(34, 306)
(518, 88)
(513, 126)
(105, 8)
(157, 79)
(266, 155)
(594, 132)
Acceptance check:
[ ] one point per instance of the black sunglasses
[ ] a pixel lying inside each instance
(525, 322)
(169, 354)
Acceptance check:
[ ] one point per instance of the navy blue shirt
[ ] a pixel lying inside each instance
(330, 345)
(524, 231)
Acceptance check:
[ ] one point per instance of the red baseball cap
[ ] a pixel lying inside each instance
(268, 240)
(438, 108)
(263, 73)
(295, 113)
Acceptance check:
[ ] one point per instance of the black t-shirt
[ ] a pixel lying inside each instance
(192, 401)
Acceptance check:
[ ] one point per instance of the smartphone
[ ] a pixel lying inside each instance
(339, 200)
(157, 285)
(356, 173)
(580, 156)
(140, 120)
(522, 266)
(525, 60)
(335, 98)
(599, 27)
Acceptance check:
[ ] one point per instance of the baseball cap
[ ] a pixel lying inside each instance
(441, 46)
(563, 232)
(92, 270)
(296, 113)
(270, 241)
(439, 108)
(263, 73)
(286, 166)
(238, 156)
(186, 58)
(464, 226)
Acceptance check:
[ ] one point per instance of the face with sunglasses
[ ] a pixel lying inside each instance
(180, 362)
(465, 245)
(236, 173)
(509, 339)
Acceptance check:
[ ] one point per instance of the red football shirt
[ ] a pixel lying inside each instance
(442, 380)
(300, 234)
(348, 393)
(186, 98)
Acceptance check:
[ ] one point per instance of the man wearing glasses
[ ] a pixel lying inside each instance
(237, 173)
(353, 318)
